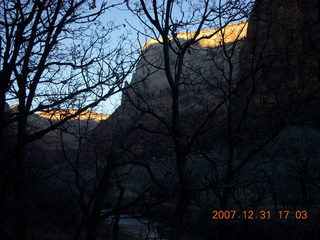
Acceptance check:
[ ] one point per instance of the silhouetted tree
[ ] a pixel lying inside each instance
(53, 55)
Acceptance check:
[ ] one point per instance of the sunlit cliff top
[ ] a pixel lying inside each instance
(216, 37)
(61, 114)
(14, 106)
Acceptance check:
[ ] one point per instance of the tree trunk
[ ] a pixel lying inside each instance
(103, 186)
(184, 197)
(180, 211)
(3, 183)
(19, 176)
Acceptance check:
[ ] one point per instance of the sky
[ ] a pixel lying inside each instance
(119, 15)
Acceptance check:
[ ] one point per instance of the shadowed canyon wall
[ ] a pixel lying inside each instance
(275, 68)
(280, 62)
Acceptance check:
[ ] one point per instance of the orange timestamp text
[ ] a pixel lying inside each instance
(262, 214)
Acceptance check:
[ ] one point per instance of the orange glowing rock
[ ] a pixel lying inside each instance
(211, 38)
(61, 114)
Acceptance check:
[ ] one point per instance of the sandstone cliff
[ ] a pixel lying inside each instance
(275, 68)
(208, 67)
(280, 62)
(205, 72)
(71, 130)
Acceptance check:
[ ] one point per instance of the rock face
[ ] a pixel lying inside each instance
(61, 114)
(280, 61)
(204, 79)
(71, 130)
(205, 69)
(275, 66)
(210, 38)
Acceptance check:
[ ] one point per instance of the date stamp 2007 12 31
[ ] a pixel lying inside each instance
(262, 214)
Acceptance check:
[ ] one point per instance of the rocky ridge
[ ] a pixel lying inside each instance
(205, 69)
(71, 130)
(61, 114)
(279, 73)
